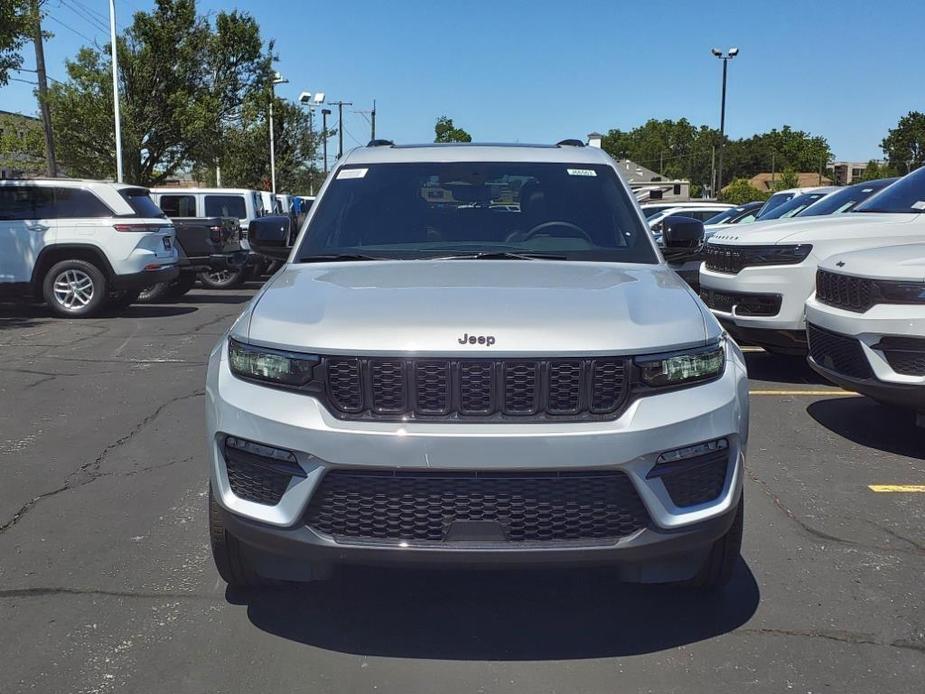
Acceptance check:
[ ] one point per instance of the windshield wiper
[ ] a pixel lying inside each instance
(339, 257)
(501, 255)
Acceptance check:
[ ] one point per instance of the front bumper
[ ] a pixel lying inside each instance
(870, 329)
(145, 278)
(631, 444)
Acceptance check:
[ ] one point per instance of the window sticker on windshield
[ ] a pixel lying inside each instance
(920, 205)
(581, 172)
(351, 173)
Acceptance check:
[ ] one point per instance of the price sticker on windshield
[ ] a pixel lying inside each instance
(351, 173)
(581, 172)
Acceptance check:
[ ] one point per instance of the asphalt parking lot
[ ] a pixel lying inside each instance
(107, 585)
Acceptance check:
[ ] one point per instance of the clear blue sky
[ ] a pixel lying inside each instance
(540, 70)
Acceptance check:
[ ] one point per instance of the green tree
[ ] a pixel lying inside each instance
(15, 27)
(788, 179)
(741, 191)
(875, 170)
(445, 131)
(22, 144)
(183, 83)
(904, 145)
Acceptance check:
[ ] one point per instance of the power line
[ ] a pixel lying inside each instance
(83, 14)
(103, 18)
(71, 29)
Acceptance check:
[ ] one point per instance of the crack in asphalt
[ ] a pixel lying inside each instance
(39, 592)
(822, 535)
(89, 472)
(857, 638)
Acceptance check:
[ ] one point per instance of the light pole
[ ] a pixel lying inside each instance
(325, 112)
(277, 79)
(732, 53)
(115, 89)
(306, 99)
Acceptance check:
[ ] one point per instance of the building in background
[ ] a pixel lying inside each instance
(22, 146)
(645, 183)
(848, 172)
(768, 181)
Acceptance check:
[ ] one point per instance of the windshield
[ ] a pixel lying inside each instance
(727, 216)
(844, 200)
(793, 206)
(906, 195)
(650, 211)
(772, 202)
(426, 210)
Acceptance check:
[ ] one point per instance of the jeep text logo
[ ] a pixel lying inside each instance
(467, 339)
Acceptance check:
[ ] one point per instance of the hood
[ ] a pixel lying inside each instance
(903, 263)
(540, 308)
(809, 229)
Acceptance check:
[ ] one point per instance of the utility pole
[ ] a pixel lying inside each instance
(772, 170)
(325, 112)
(51, 163)
(373, 121)
(732, 53)
(340, 124)
(276, 79)
(115, 90)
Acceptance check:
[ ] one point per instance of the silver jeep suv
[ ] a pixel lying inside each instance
(475, 356)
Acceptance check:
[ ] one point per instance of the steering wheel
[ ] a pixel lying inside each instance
(535, 231)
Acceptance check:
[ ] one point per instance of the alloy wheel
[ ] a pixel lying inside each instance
(73, 289)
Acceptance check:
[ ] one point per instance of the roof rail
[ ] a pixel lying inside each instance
(380, 143)
(570, 143)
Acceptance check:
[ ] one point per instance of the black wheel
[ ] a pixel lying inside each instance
(717, 569)
(223, 279)
(156, 292)
(182, 285)
(231, 560)
(123, 299)
(75, 289)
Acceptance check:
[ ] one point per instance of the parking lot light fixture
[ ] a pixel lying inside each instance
(729, 55)
(277, 79)
(310, 101)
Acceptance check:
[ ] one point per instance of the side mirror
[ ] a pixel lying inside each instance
(269, 236)
(682, 233)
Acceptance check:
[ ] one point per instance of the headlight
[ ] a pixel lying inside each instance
(679, 368)
(270, 365)
(891, 292)
(781, 255)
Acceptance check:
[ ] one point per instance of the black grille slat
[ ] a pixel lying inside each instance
(727, 259)
(838, 353)
(257, 483)
(844, 291)
(527, 507)
(405, 388)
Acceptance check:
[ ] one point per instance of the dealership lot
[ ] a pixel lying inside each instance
(106, 583)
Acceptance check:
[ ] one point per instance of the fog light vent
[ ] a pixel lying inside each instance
(693, 451)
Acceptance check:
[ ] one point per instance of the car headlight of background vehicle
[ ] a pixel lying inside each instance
(780, 255)
(680, 368)
(892, 292)
(270, 365)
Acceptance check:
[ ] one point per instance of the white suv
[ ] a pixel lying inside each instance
(81, 245)
(757, 281)
(866, 324)
(475, 355)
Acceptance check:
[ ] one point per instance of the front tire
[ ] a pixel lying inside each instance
(75, 289)
(223, 279)
(153, 293)
(717, 570)
(231, 560)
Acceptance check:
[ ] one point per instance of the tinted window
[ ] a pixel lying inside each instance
(71, 203)
(422, 210)
(843, 200)
(178, 205)
(142, 204)
(906, 195)
(772, 202)
(26, 202)
(793, 206)
(650, 212)
(226, 206)
(724, 215)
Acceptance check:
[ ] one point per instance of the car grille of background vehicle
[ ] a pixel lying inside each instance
(844, 291)
(471, 389)
(839, 353)
(424, 507)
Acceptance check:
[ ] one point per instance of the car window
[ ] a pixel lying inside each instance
(141, 203)
(906, 195)
(26, 202)
(772, 202)
(225, 206)
(178, 205)
(793, 206)
(73, 203)
(420, 210)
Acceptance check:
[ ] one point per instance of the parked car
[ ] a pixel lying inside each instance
(81, 245)
(701, 212)
(866, 324)
(240, 203)
(446, 383)
(757, 282)
(269, 203)
(650, 209)
(796, 204)
(779, 198)
(739, 214)
(205, 245)
(845, 199)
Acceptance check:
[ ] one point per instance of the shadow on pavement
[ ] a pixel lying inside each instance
(763, 366)
(218, 297)
(542, 615)
(150, 311)
(22, 315)
(868, 423)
